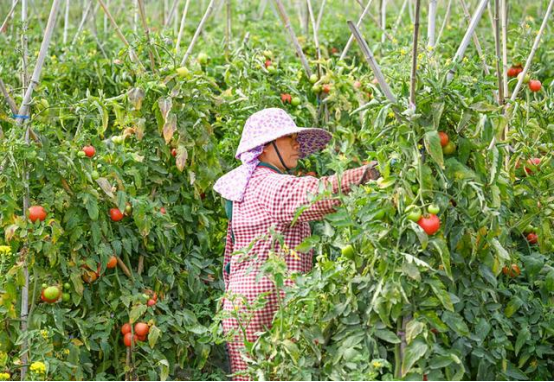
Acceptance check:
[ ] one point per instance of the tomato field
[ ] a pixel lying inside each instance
(117, 117)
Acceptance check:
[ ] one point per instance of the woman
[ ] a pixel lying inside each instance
(260, 196)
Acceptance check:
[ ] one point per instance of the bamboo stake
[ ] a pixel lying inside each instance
(228, 29)
(20, 118)
(431, 23)
(9, 99)
(465, 41)
(399, 18)
(135, 16)
(261, 9)
(66, 22)
(106, 20)
(24, 47)
(507, 107)
(372, 62)
(497, 50)
(533, 51)
(8, 17)
(198, 31)
(316, 39)
(132, 53)
(151, 49)
(383, 23)
(171, 13)
(413, 77)
(351, 39)
(320, 15)
(504, 46)
(475, 39)
(286, 23)
(182, 27)
(444, 22)
(82, 23)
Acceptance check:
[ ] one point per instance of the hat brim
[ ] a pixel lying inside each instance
(311, 140)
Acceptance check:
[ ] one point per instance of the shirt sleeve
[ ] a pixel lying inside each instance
(283, 195)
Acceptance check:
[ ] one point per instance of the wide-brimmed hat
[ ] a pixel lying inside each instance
(267, 125)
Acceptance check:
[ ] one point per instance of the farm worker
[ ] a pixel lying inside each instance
(261, 195)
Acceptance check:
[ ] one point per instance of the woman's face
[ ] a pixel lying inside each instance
(289, 148)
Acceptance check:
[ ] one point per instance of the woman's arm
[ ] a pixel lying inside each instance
(283, 195)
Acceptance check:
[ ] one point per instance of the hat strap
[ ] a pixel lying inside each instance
(279, 155)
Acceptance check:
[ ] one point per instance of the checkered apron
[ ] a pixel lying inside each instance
(271, 199)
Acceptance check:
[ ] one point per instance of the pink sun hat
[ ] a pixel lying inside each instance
(260, 129)
(269, 124)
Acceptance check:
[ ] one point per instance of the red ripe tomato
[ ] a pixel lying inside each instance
(174, 152)
(37, 213)
(116, 214)
(151, 302)
(334, 50)
(444, 138)
(326, 88)
(126, 328)
(112, 263)
(357, 84)
(430, 224)
(513, 271)
(141, 329)
(128, 339)
(267, 63)
(512, 72)
(533, 161)
(89, 151)
(162, 210)
(532, 238)
(535, 85)
(286, 98)
(141, 338)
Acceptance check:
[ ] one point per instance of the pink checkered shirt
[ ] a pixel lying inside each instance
(271, 199)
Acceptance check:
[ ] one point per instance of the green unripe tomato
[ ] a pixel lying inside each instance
(272, 69)
(526, 79)
(268, 54)
(316, 89)
(313, 78)
(414, 213)
(202, 58)
(348, 252)
(433, 209)
(449, 149)
(66, 297)
(81, 154)
(182, 71)
(44, 286)
(296, 101)
(66, 286)
(95, 175)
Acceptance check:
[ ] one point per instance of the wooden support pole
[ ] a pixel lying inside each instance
(209, 11)
(351, 39)
(413, 77)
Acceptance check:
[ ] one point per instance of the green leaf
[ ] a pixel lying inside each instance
(444, 254)
(456, 323)
(496, 164)
(438, 288)
(549, 281)
(437, 109)
(501, 252)
(414, 352)
(523, 336)
(153, 335)
(413, 329)
(433, 146)
(164, 369)
(77, 282)
(387, 335)
(513, 306)
(136, 312)
(292, 350)
(91, 204)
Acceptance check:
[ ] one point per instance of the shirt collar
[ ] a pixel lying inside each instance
(271, 167)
